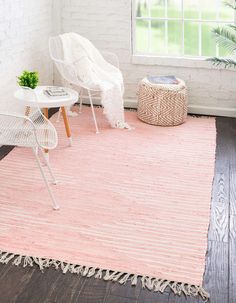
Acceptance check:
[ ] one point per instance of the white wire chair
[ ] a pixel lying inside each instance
(33, 131)
(69, 74)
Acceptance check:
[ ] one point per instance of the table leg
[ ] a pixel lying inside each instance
(45, 111)
(66, 122)
(27, 111)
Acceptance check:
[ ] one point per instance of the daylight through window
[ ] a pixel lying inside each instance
(179, 27)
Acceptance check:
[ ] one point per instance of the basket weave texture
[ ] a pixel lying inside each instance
(162, 104)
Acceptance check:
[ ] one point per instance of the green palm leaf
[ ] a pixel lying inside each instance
(233, 27)
(222, 61)
(233, 6)
(225, 37)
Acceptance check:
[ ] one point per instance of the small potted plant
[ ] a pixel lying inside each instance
(28, 80)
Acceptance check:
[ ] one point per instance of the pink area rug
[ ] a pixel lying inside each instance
(134, 204)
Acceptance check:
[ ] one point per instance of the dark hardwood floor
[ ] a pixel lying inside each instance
(29, 285)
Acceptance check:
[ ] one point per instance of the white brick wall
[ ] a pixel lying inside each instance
(25, 26)
(107, 23)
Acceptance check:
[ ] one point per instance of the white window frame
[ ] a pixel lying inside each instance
(171, 60)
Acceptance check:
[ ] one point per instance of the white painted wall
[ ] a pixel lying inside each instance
(107, 23)
(25, 26)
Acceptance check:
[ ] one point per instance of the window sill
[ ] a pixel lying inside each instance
(174, 61)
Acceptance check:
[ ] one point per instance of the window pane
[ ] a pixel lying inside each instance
(208, 41)
(209, 9)
(191, 38)
(191, 9)
(158, 37)
(174, 9)
(174, 37)
(142, 8)
(223, 52)
(141, 36)
(227, 13)
(157, 8)
(164, 37)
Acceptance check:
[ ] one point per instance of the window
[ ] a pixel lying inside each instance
(179, 28)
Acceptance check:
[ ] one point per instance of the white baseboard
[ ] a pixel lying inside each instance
(192, 109)
(129, 103)
(212, 111)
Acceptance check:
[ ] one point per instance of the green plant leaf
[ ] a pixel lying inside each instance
(232, 26)
(233, 6)
(222, 61)
(225, 37)
(28, 79)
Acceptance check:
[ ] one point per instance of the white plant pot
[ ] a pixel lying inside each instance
(28, 94)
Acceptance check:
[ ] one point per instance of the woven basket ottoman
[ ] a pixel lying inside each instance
(162, 104)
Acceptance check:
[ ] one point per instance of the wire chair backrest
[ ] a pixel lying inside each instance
(67, 70)
(30, 130)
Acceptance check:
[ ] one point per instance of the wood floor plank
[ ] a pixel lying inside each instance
(151, 297)
(232, 213)
(232, 131)
(94, 291)
(5, 150)
(232, 235)
(233, 188)
(182, 299)
(223, 142)
(219, 224)
(66, 288)
(127, 291)
(217, 273)
(117, 299)
(13, 280)
(40, 287)
(232, 268)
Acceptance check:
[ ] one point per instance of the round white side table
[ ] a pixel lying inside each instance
(45, 102)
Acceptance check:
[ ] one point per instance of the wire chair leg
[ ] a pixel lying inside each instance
(93, 112)
(37, 150)
(81, 101)
(55, 205)
(47, 163)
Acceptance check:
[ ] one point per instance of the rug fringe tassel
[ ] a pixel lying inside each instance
(152, 284)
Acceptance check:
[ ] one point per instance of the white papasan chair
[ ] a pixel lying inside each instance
(70, 75)
(33, 131)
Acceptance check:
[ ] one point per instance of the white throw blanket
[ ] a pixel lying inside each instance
(97, 74)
